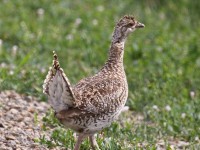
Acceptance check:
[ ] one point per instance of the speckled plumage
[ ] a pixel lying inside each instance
(94, 102)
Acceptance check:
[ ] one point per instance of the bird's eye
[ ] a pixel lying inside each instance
(130, 24)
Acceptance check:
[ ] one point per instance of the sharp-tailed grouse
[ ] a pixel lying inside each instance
(94, 102)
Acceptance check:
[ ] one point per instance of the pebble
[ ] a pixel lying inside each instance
(19, 118)
(12, 143)
(21, 124)
(10, 137)
(31, 109)
(14, 111)
(27, 119)
(25, 113)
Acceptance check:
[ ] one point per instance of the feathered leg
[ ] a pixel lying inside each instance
(79, 141)
(93, 142)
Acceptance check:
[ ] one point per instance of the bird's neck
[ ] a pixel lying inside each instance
(116, 52)
(115, 58)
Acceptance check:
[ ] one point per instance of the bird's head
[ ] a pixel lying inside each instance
(126, 25)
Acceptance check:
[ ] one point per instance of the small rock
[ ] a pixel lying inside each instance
(41, 108)
(27, 119)
(10, 137)
(6, 108)
(13, 111)
(34, 145)
(21, 124)
(2, 138)
(31, 110)
(11, 123)
(12, 143)
(18, 147)
(15, 134)
(16, 142)
(19, 118)
(25, 113)
(16, 106)
(4, 147)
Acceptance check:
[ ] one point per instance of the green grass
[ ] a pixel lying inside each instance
(162, 61)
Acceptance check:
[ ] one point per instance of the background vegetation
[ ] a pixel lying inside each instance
(162, 61)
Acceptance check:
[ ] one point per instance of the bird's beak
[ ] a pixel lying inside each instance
(139, 25)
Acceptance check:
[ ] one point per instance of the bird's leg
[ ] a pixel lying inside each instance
(79, 141)
(93, 142)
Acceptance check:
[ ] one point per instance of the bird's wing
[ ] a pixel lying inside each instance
(101, 94)
(58, 88)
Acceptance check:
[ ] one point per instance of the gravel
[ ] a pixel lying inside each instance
(18, 130)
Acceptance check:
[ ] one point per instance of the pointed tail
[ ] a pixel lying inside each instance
(58, 88)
